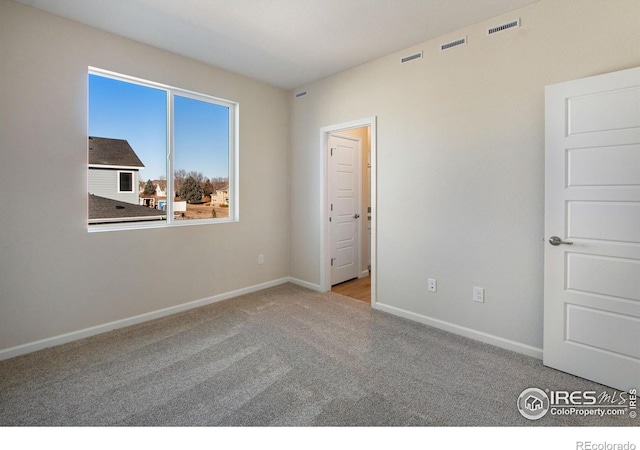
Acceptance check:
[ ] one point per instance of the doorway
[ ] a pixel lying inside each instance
(359, 289)
(362, 220)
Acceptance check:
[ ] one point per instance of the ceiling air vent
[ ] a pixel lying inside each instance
(301, 94)
(503, 27)
(406, 59)
(457, 42)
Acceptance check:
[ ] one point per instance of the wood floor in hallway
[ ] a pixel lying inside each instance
(358, 288)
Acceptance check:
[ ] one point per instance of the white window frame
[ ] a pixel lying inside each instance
(234, 156)
(119, 183)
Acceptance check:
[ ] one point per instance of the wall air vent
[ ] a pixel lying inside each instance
(451, 44)
(301, 94)
(406, 59)
(503, 27)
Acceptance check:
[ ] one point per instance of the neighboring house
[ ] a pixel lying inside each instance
(148, 201)
(161, 188)
(153, 200)
(114, 184)
(220, 196)
(113, 170)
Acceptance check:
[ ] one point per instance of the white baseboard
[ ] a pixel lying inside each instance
(463, 331)
(92, 331)
(306, 284)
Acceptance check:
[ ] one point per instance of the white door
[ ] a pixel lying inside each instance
(344, 208)
(592, 204)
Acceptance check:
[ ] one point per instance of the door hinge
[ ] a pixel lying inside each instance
(332, 207)
(331, 152)
(329, 219)
(332, 259)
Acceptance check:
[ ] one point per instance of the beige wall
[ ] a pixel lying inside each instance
(460, 162)
(56, 278)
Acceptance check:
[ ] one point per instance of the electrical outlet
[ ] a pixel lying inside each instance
(260, 258)
(478, 294)
(433, 285)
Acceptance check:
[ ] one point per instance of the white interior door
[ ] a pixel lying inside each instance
(592, 204)
(344, 208)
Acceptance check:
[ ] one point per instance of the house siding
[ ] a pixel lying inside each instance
(221, 197)
(105, 184)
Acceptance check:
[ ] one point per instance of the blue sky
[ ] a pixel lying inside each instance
(138, 114)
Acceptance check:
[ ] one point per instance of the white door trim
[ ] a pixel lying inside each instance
(325, 243)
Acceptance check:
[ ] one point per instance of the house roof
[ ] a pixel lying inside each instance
(112, 152)
(103, 209)
(161, 183)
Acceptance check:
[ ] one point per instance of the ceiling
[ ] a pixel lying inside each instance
(286, 43)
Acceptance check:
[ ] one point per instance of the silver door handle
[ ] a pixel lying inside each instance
(555, 240)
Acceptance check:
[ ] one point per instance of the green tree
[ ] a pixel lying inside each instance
(191, 191)
(149, 188)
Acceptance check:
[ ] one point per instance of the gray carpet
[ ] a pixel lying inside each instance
(285, 356)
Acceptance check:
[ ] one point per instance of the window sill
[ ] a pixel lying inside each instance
(98, 228)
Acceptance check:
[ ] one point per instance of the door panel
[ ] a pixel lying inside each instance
(344, 181)
(602, 330)
(613, 221)
(603, 111)
(604, 166)
(614, 277)
(592, 202)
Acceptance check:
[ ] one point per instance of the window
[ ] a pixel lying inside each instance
(125, 182)
(158, 155)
